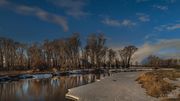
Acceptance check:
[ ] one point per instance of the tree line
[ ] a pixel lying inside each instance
(157, 62)
(63, 54)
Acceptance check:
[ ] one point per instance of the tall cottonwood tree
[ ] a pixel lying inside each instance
(8, 52)
(126, 55)
(47, 51)
(21, 59)
(73, 45)
(35, 57)
(95, 49)
(111, 57)
(62, 52)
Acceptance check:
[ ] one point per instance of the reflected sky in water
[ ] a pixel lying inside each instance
(50, 89)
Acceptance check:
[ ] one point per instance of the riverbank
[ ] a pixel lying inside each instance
(6, 76)
(118, 87)
(53, 70)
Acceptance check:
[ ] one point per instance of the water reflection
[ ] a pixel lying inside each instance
(51, 89)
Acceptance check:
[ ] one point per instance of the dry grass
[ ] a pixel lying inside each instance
(155, 85)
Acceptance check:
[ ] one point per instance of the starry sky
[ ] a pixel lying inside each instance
(151, 25)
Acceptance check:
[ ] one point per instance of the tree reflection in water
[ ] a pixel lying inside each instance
(44, 89)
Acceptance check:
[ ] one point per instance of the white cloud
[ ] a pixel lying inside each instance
(173, 27)
(43, 15)
(73, 8)
(38, 12)
(161, 7)
(143, 17)
(114, 22)
(168, 27)
(160, 28)
(111, 22)
(127, 22)
(149, 49)
(149, 36)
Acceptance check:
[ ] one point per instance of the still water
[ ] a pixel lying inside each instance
(49, 89)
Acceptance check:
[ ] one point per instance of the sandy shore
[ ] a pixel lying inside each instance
(118, 87)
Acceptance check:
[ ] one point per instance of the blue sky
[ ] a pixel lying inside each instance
(139, 22)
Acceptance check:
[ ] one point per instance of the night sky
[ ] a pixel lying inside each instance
(151, 25)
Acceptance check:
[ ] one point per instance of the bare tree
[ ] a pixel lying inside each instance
(21, 59)
(111, 57)
(73, 45)
(126, 55)
(8, 53)
(47, 53)
(1, 53)
(62, 53)
(95, 49)
(35, 57)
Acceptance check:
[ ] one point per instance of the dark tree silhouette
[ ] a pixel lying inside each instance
(126, 55)
(68, 53)
(95, 49)
(111, 57)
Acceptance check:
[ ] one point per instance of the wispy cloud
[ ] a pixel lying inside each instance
(114, 22)
(143, 17)
(161, 7)
(38, 12)
(168, 27)
(73, 8)
(150, 36)
(111, 22)
(173, 27)
(43, 15)
(148, 49)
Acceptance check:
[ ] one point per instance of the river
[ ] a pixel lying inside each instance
(49, 89)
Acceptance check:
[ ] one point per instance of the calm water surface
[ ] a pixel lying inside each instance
(51, 89)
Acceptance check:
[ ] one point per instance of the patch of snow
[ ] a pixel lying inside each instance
(41, 76)
(74, 75)
(71, 97)
(118, 87)
(176, 82)
(75, 71)
(174, 93)
(24, 76)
